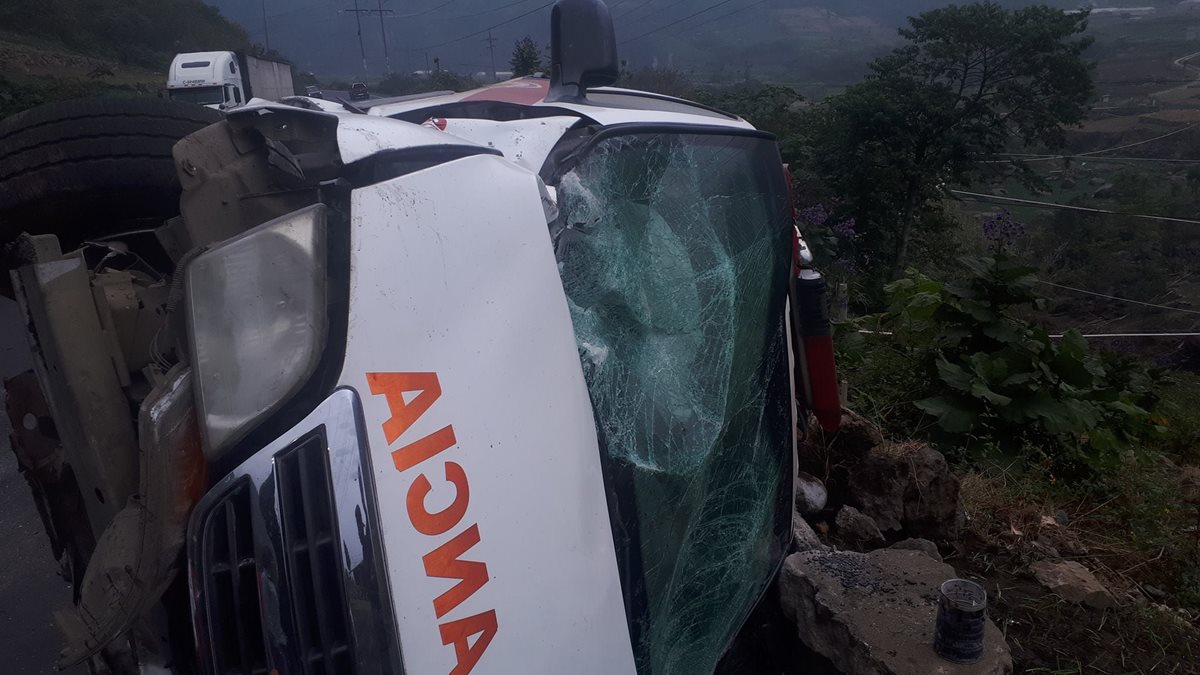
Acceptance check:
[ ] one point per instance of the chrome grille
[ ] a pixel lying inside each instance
(235, 623)
(310, 539)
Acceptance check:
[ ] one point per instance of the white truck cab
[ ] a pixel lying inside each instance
(212, 79)
(228, 79)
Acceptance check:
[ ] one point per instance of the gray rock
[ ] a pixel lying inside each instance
(1073, 582)
(908, 489)
(810, 494)
(873, 613)
(857, 531)
(923, 545)
(1154, 592)
(803, 536)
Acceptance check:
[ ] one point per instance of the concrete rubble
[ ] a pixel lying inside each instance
(873, 613)
(1073, 582)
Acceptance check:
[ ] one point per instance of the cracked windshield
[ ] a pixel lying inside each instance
(659, 337)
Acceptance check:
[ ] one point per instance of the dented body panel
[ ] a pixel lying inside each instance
(481, 435)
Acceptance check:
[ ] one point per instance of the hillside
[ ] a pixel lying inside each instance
(822, 41)
(55, 49)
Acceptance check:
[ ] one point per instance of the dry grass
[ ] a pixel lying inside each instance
(1012, 521)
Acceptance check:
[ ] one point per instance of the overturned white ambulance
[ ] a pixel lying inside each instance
(501, 382)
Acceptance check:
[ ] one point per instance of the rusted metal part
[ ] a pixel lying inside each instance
(135, 558)
(55, 492)
(77, 373)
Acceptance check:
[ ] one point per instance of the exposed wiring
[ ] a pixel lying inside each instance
(979, 196)
(1114, 297)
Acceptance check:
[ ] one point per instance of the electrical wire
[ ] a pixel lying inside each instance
(633, 9)
(427, 11)
(462, 17)
(677, 21)
(1114, 297)
(1046, 158)
(1144, 159)
(1059, 336)
(662, 9)
(979, 196)
(484, 30)
(729, 14)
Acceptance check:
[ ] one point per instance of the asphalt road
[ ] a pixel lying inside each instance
(30, 588)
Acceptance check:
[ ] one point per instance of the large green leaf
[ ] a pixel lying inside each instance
(954, 375)
(953, 414)
(981, 390)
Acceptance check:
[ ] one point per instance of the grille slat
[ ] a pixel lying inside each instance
(231, 580)
(315, 574)
(303, 565)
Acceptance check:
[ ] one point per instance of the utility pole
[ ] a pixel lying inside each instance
(383, 33)
(387, 60)
(266, 31)
(491, 43)
(362, 50)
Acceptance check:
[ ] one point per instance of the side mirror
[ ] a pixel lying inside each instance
(583, 49)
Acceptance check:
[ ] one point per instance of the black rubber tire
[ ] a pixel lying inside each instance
(88, 167)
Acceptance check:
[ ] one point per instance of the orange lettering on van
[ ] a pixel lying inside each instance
(444, 561)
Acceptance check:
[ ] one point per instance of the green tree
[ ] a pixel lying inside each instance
(773, 108)
(526, 58)
(972, 81)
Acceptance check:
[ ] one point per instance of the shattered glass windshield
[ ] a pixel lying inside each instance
(673, 249)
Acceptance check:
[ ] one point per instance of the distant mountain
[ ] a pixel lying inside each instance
(777, 38)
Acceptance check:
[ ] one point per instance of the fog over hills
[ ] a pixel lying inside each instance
(826, 40)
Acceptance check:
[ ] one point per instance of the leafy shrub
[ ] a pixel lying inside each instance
(986, 373)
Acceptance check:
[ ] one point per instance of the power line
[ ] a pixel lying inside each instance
(978, 196)
(677, 21)
(481, 32)
(427, 11)
(1045, 158)
(486, 11)
(633, 9)
(1143, 159)
(729, 14)
(1114, 297)
(662, 9)
(1059, 336)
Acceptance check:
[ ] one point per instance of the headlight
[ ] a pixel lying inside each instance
(256, 322)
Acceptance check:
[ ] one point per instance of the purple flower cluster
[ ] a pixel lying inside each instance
(813, 215)
(845, 229)
(1001, 229)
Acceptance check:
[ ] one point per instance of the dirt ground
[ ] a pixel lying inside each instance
(1049, 635)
